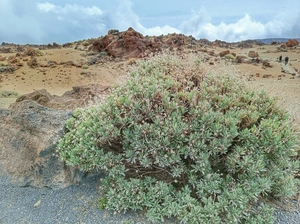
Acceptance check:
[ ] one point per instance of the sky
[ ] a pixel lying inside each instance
(62, 21)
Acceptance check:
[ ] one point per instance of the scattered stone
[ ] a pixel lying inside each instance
(251, 78)
(267, 76)
(32, 63)
(8, 69)
(29, 51)
(38, 203)
(240, 59)
(252, 54)
(266, 63)
(223, 53)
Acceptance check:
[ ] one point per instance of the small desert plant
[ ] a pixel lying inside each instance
(84, 66)
(103, 53)
(102, 203)
(9, 94)
(179, 142)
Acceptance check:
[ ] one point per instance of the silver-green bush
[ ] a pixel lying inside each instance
(181, 143)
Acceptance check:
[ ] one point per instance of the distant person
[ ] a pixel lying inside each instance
(280, 58)
(286, 60)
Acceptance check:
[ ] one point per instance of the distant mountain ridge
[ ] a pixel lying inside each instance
(270, 40)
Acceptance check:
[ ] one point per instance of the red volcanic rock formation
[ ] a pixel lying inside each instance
(127, 44)
(172, 41)
(292, 43)
(132, 44)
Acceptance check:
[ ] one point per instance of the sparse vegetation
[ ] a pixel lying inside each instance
(103, 53)
(84, 66)
(102, 203)
(9, 94)
(7, 69)
(185, 143)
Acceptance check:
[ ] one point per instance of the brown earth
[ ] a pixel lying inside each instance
(59, 68)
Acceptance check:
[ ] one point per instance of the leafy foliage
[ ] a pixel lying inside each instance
(182, 143)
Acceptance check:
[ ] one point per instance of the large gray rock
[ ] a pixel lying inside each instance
(29, 133)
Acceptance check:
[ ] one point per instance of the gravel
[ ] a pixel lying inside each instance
(283, 217)
(75, 204)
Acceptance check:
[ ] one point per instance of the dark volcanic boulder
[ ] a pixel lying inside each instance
(28, 143)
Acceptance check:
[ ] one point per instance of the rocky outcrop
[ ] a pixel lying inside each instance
(29, 134)
(240, 59)
(127, 44)
(28, 144)
(252, 54)
(132, 44)
(292, 43)
(32, 63)
(172, 41)
(79, 96)
(223, 53)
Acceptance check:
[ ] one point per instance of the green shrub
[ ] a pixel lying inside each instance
(196, 146)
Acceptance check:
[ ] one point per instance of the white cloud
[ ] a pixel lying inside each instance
(72, 22)
(199, 26)
(69, 9)
(49, 21)
(125, 17)
(156, 31)
(46, 7)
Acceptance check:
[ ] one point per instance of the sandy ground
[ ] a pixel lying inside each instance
(62, 77)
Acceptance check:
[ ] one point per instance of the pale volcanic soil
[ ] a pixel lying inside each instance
(62, 76)
(284, 86)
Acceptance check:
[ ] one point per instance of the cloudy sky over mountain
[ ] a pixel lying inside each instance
(61, 21)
